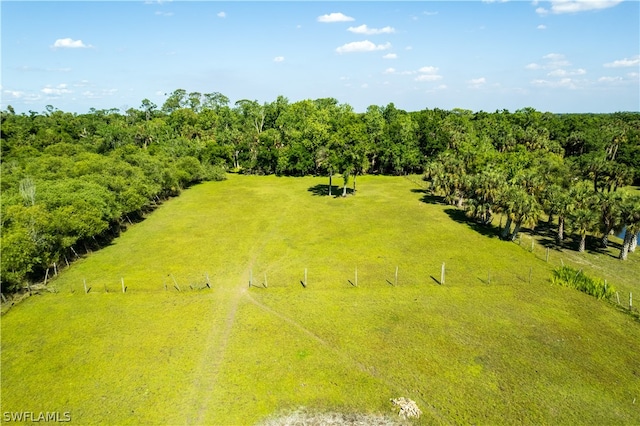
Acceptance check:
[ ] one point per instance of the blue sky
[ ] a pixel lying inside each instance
(558, 56)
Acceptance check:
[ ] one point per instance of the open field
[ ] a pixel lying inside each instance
(515, 350)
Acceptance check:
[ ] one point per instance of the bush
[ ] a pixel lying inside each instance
(570, 277)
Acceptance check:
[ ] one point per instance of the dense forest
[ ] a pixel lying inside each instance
(71, 182)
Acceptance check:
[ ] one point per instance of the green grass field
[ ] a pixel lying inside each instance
(517, 350)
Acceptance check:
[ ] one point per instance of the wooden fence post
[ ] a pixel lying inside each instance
(124, 289)
(442, 275)
(84, 282)
(175, 283)
(547, 257)
(630, 301)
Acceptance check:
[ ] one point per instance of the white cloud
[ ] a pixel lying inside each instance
(563, 73)
(556, 60)
(159, 13)
(428, 70)
(427, 13)
(408, 48)
(100, 93)
(609, 79)
(221, 14)
(564, 83)
(389, 71)
(477, 83)
(552, 61)
(428, 77)
(60, 89)
(335, 17)
(362, 46)
(278, 59)
(68, 43)
(390, 56)
(541, 27)
(575, 6)
(626, 62)
(364, 85)
(633, 75)
(16, 94)
(363, 29)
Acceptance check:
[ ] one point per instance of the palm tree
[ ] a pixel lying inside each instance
(610, 214)
(486, 189)
(521, 208)
(631, 219)
(584, 220)
(558, 201)
(528, 214)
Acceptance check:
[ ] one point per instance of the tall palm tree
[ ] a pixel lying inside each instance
(610, 204)
(583, 221)
(521, 208)
(631, 219)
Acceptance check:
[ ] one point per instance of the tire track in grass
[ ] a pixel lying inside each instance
(214, 352)
(211, 360)
(344, 356)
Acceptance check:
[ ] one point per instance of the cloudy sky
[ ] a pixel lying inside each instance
(559, 56)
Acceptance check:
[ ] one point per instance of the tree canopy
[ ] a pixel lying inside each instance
(70, 181)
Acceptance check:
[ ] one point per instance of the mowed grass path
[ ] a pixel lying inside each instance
(508, 352)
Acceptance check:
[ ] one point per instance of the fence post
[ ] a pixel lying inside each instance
(442, 275)
(124, 289)
(547, 257)
(630, 301)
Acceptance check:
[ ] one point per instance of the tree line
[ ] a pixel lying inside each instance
(71, 181)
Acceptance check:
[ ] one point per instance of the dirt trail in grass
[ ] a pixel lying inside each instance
(213, 354)
(345, 357)
(212, 357)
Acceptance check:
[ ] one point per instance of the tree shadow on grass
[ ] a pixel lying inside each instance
(460, 217)
(428, 197)
(323, 190)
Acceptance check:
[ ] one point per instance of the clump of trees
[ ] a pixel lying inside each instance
(528, 166)
(70, 181)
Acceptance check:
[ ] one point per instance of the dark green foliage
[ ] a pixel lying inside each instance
(570, 277)
(70, 180)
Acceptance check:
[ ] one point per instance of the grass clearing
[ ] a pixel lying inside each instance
(467, 352)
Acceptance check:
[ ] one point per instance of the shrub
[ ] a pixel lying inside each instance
(570, 277)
